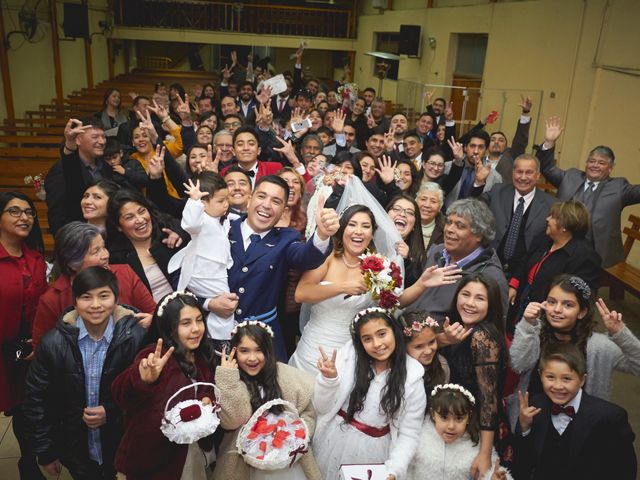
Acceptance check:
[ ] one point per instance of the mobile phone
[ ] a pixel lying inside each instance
(297, 126)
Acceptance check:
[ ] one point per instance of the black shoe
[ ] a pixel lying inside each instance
(29, 470)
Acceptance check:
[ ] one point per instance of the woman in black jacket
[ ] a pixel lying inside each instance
(70, 416)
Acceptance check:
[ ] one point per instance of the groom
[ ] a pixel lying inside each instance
(262, 254)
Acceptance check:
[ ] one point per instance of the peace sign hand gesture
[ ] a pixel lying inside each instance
(183, 110)
(151, 367)
(526, 412)
(228, 362)
(147, 124)
(456, 149)
(326, 365)
(160, 111)
(156, 164)
(612, 319)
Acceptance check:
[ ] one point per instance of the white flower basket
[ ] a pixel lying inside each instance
(202, 422)
(273, 458)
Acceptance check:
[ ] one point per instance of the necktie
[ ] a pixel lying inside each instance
(251, 173)
(254, 238)
(280, 105)
(587, 195)
(467, 180)
(514, 230)
(557, 410)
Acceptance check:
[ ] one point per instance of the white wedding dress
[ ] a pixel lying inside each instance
(329, 327)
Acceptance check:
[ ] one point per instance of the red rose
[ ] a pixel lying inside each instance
(396, 274)
(387, 299)
(371, 264)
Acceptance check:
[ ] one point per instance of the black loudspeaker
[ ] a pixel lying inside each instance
(409, 40)
(76, 21)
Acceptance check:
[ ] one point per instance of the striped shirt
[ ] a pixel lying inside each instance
(93, 353)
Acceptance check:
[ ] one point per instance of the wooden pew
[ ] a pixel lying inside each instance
(624, 276)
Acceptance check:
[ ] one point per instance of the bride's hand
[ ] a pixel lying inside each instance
(326, 365)
(354, 287)
(435, 276)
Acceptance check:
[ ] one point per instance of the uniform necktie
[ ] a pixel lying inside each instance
(514, 230)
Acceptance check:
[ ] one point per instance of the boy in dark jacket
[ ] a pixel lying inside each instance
(70, 417)
(127, 172)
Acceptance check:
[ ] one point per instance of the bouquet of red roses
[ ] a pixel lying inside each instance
(383, 278)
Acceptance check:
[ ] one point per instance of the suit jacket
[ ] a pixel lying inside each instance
(252, 104)
(264, 168)
(601, 442)
(518, 147)
(611, 197)
(258, 273)
(286, 111)
(500, 201)
(493, 179)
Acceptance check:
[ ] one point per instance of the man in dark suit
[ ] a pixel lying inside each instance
(247, 101)
(280, 104)
(262, 254)
(566, 433)
(605, 197)
(520, 210)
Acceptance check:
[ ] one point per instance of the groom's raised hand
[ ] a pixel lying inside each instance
(327, 222)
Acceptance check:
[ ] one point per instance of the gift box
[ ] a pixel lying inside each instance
(375, 471)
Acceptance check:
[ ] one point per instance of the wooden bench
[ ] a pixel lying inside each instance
(624, 276)
(35, 140)
(29, 152)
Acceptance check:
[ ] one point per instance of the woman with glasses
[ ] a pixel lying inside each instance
(433, 166)
(404, 213)
(23, 273)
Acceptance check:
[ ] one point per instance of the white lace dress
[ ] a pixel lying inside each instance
(329, 327)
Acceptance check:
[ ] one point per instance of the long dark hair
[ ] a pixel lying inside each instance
(449, 401)
(167, 325)
(415, 181)
(583, 329)
(107, 94)
(434, 373)
(393, 391)
(34, 239)
(159, 220)
(415, 241)
(298, 214)
(264, 386)
(338, 244)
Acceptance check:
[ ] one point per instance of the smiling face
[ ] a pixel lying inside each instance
(295, 187)
(424, 124)
(429, 206)
(141, 141)
(246, 93)
(310, 149)
(423, 346)
(368, 166)
(91, 143)
(369, 96)
(412, 147)
(375, 144)
(204, 136)
(97, 254)
(94, 204)
(266, 206)
(459, 240)
(135, 222)
(378, 341)
(434, 167)
(441, 132)
(113, 100)
(246, 149)
(228, 106)
(197, 159)
(359, 106)
(525, 175)
(191, 328)
(224, 144)
(450, 427)
(405, 177)
(96, 306)
(599, 167)
(403, 215)
(316, 120)
(250, 357)
(560, 382)
(357, 234)
(239, 190)
(400, 124)
(563, 310)
(17, 227)
(438, 106)
(473, 303)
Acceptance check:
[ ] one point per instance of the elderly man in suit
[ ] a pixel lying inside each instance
(470, 163)
(603, 195)
(520, 210)
(262, 254)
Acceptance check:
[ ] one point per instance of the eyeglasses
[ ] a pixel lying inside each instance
(435, 165)
(408, 212)
(17, 212)
(231, 124)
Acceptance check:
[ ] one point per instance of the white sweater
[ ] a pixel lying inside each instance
(436, 460)
(330, 394)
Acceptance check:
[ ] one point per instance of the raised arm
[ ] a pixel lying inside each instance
(548, 167)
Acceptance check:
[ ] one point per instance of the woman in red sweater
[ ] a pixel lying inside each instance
(80, 245)
(23, 273)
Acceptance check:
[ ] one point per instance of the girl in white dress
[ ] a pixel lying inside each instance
(369, 398)
(449, 441)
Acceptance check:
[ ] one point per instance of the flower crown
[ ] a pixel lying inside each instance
(454, 386)
(580, 285)
(362, 313)
(416, 327)
(251, 322)
(170, 298)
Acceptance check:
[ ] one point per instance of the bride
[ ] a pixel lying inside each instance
(336, 290)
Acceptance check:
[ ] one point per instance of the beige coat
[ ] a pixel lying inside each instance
(297, 388)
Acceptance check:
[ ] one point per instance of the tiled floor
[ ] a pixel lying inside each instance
(626, 392)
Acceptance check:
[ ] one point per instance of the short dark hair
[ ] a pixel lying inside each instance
(138, 98)
(606, 151)
(439, 99)
(94, 122)
(478, 133)
(207, 115)
(412, 134)
(325, 130)
(370, 89)
(247, 82)
(94, 277)
(112, 147)
(275, 180)
(565, 352)
(243, 129)
(210, 183)
(206, 98)
(237, 169)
